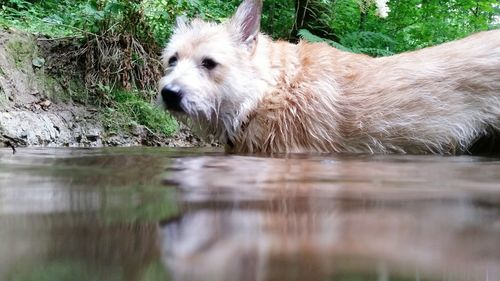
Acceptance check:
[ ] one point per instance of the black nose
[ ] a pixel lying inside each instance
(172, 99)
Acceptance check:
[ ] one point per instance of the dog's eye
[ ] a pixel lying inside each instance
(172, 61)
(208, 63)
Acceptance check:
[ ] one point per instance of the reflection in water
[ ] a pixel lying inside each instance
(160, 214)
(82, 215)
(56, 248)
(314, 219)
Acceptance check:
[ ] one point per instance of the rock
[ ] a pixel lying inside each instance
(38, 62)
(44, 104)
(139, 131)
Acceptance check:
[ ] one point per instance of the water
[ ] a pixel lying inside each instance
(161, 214)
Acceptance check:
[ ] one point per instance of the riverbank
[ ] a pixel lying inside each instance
(43, 101)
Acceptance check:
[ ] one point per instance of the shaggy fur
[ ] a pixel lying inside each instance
(267, 96)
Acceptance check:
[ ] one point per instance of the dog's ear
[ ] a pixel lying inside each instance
(246, 21)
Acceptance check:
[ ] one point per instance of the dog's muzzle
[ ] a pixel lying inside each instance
(172, 98)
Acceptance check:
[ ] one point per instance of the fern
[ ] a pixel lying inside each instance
(370, 43)
(308, 36)
(364, 42)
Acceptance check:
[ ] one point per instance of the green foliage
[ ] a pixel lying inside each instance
(368, 42)
(363, 42)
(308, 36)
(277, 18)
(410, 25)
(45, 17)
(110, 17)
(354, 24)
(127, 109)
(161, 15)
(145, 18)
(416, 24)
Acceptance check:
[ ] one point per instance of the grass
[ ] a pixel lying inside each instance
(41, 17)
(128, 109)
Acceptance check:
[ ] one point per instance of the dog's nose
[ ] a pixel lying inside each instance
(172, 98)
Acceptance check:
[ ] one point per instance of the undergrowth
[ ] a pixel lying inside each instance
(117, 53)
(53, 18)
(362, 42)
(128, 109)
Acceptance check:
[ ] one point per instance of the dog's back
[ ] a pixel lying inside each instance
(438, 99)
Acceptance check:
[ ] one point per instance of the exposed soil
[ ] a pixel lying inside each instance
(39, 82)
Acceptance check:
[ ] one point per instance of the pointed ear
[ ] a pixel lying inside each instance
(246, 21)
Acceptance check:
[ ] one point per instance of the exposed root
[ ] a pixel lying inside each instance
(120, 61)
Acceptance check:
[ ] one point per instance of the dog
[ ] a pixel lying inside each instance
(257, 95)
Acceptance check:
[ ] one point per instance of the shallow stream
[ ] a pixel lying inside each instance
(192, 214)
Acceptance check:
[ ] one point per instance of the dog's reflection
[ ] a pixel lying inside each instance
(245, 244)
(286, 226)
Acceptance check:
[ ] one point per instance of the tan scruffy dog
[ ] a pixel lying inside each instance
(258, 95)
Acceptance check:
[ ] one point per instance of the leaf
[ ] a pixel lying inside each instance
(308, 36)
(115, 7)
(54, 19)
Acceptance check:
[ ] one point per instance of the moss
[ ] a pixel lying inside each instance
(78, 93)
(55, 91)
(62, 89)
(21, 50)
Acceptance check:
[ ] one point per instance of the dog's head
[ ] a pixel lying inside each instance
(209, 67)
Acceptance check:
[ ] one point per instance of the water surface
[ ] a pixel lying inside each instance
(193, 214)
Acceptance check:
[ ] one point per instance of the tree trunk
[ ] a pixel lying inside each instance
(363, 9)
(302, 17)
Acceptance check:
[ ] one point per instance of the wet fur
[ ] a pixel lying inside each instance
(267, 96)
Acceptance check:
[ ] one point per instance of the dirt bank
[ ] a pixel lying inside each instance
(38, 106)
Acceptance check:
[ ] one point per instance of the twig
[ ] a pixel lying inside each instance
(56, 39)
(11, 145)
